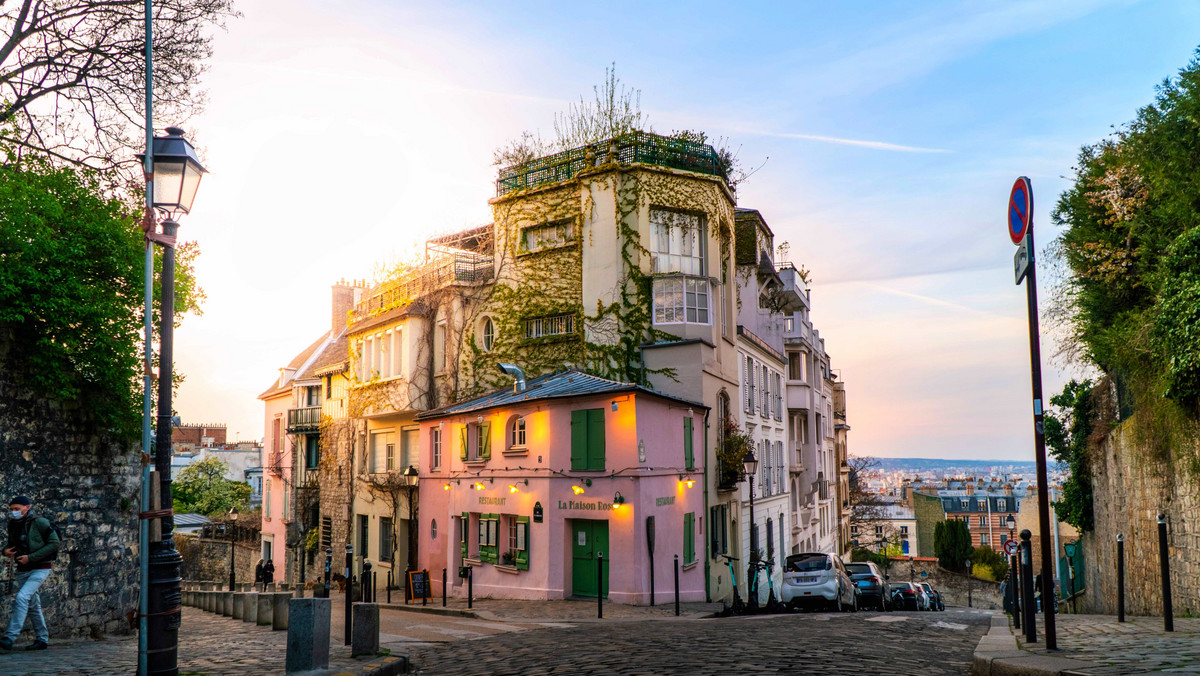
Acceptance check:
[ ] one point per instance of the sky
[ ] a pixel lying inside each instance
(886, 138)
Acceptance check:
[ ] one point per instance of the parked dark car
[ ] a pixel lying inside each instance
(935, 597)
(905, 596)
(872, 589)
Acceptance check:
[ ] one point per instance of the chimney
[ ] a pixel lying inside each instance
(345, 296)
(970, 488)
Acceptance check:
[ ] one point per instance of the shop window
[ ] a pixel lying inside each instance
(518, 541)
(587, 439)
(689, 537)
(489, 536)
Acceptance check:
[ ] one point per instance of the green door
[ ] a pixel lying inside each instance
(588, 538)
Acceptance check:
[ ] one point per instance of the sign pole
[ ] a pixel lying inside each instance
(1020, 225)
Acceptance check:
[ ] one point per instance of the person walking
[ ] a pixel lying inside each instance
(259, 572)
(32, 544)
(269, 572)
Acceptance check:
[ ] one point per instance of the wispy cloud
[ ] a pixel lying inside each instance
(874, 145)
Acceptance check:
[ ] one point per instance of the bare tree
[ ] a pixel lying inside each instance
(867, 508)
(72, 74)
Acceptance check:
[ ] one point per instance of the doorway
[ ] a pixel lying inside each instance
(588, 539)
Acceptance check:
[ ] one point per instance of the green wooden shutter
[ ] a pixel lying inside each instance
(689, 537)
(466, 533)
(522, 554)
(689, 461)
(462, 437)
(485, 429)
(492, 524)
(595, 438)
(579, 439)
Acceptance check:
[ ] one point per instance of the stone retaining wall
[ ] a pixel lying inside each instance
(1131, 487)
(953, 586)
(87, 483)
(207, 560)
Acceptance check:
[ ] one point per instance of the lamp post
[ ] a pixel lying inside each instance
(1014, 587)
(410, 479)
(750, 465)
(173, 173)
(233, 515)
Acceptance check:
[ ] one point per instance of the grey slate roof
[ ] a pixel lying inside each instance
(565, 385)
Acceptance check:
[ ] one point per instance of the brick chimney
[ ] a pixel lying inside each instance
(345, 296)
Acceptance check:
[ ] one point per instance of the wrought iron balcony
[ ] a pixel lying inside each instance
(637, 147)
(304, 420)
(459, 267)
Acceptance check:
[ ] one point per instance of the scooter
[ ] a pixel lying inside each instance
(739, 606)
(773, 604)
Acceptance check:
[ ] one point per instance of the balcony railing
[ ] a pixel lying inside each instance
(637, 147)
(461, 266)
(302, 420)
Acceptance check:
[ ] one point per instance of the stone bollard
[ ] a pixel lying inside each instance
(250, 607)
(219, 602)
(227, 602)
(308, 634)
(239, 605)
(279, 610)
(206, 586)
(206, 599)
(266, 610)
(365, 637)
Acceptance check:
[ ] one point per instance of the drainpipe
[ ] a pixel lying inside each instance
(708, 519)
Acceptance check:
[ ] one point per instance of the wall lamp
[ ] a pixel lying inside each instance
(687, 480)
(512, 488)
(618, 500)
(579, 489)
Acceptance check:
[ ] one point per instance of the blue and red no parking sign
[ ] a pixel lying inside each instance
(1020, 210)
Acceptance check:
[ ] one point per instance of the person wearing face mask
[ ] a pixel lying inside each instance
(32, 544)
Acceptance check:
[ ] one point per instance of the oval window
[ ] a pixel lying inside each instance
(489, 334)
(433, 529)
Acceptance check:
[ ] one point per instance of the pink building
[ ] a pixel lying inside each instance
(528, 486)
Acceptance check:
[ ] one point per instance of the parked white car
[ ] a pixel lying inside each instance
(817, 579)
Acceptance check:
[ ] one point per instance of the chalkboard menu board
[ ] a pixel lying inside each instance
(418, 585)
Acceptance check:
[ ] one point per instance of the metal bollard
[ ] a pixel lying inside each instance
(368, 587)
(1027, 599)
(1165, 562)
(600, 585)
(443, 587)
(470, 587)
(676, 585)
(1014, 589)
(390, 582)
(349, 593)
(328, 570)
(1121, 577)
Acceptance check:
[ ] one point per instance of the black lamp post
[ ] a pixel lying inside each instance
(750, 465)
(172, 186)
(233, 515)
(410, 479)
(1013, 568)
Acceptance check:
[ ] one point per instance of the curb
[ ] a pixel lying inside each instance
(388, 666)
(998, 654)
(434, 610)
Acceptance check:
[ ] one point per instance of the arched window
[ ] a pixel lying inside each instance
(488, 334)
(516, 432)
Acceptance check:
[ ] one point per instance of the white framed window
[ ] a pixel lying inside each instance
(763, 406)
(679, 300)
(440, 336)
(1001, 505)
(677, 242)
(748, 384)
(516, 433)
(983, 539)
(435, 448)
(488, 334)
(409, 442)
(557, 325)
(547, 236)
(966, 503)
(382, 453)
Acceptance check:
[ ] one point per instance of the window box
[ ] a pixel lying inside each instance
(505, 568)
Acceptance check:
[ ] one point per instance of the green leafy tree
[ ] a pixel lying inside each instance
(71, 285)
(989, 564)
(952, 544)
(202, 488)
(1069, 425)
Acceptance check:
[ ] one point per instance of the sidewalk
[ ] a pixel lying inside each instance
(569, 610)
(208, 644)
(1092, 645)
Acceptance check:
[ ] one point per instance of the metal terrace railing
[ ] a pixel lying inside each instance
(460, 266)
(636, 147)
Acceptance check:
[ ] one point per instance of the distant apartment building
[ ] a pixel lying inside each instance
(984, 506)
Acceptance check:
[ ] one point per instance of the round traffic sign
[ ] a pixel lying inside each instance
(1020, 209)
(1010, 547)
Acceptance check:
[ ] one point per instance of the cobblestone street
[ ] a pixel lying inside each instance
(824, 643)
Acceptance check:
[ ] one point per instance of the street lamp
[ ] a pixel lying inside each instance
(233, 515)
(173, 174)
(750, 464)
(410, 479)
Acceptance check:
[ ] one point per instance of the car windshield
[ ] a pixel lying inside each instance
(803, 563)
(859, 569)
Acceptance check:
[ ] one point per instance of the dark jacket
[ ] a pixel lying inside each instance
(269, 572)
(33, 537)
(258, 573)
